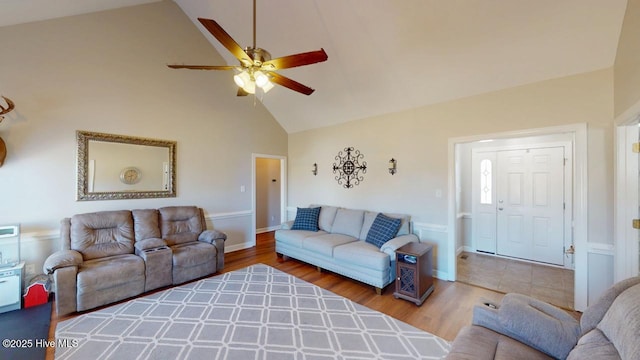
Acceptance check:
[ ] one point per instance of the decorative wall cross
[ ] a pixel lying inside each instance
(349, 169)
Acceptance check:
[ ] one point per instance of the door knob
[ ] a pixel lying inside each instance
(500, 208)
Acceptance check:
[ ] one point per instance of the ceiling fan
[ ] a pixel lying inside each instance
(256, 68)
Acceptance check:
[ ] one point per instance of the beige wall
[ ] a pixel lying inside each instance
(107, 72)
(627, 64)
(418, 139)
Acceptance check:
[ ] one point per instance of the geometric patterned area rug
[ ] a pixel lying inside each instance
(254, 313)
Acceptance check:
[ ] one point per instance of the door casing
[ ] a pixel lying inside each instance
(627, 200)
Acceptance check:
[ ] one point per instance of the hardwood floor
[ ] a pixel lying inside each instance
(444, 312)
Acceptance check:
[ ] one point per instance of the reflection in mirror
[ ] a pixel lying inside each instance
(124, 167)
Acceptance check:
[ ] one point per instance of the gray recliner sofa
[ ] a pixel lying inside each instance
(525, 328)
(151, 248)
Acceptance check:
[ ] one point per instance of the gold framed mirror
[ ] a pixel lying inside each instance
(112, 167)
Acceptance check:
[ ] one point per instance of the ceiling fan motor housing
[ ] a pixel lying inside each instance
(258, 55)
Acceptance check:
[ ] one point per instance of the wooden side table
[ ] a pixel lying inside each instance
(414, 280)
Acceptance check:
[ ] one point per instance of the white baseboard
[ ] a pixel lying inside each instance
(464, 249)
(441, 275)
(267, 229)
(236, 247)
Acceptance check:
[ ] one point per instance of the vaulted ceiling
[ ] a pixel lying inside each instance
(387, 56)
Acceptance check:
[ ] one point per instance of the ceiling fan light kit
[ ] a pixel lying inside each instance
(249, 80)
(266, 87)
(257, 69)
(261, 79)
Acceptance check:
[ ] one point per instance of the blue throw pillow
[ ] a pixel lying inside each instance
(382, 230)
(306, 219)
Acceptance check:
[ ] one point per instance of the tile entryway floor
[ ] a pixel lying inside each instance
(547, 283)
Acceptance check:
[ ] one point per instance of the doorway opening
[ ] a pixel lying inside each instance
(460, 239)
(269, 193)
(518, 191)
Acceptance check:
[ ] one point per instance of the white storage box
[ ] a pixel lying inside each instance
(9, 245)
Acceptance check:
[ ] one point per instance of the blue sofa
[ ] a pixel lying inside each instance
(339, 245)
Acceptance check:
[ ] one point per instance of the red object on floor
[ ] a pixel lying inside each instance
(36, 294)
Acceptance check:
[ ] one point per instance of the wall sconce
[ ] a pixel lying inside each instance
(392, 166)
(314, 169)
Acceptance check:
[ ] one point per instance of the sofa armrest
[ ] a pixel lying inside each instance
(219, 244)
(485, 314)
(65, 285)
(63, 265)
(61, 259)
(147, 244)
(533, 322)
(210, 236)
(394, 244)
(287, 225)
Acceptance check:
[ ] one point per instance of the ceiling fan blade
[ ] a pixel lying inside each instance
(202, 67)
(226, 40)
(301, 59)
(291, 84)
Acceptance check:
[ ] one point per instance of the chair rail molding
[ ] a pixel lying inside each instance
(237, 226)
(601, 248)
(228, 215)
(436, 235)
(35, 247)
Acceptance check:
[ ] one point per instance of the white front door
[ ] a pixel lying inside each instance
(484, 201)
(530, 204)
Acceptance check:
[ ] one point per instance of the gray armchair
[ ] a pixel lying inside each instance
(525, 328)
(97, 248)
